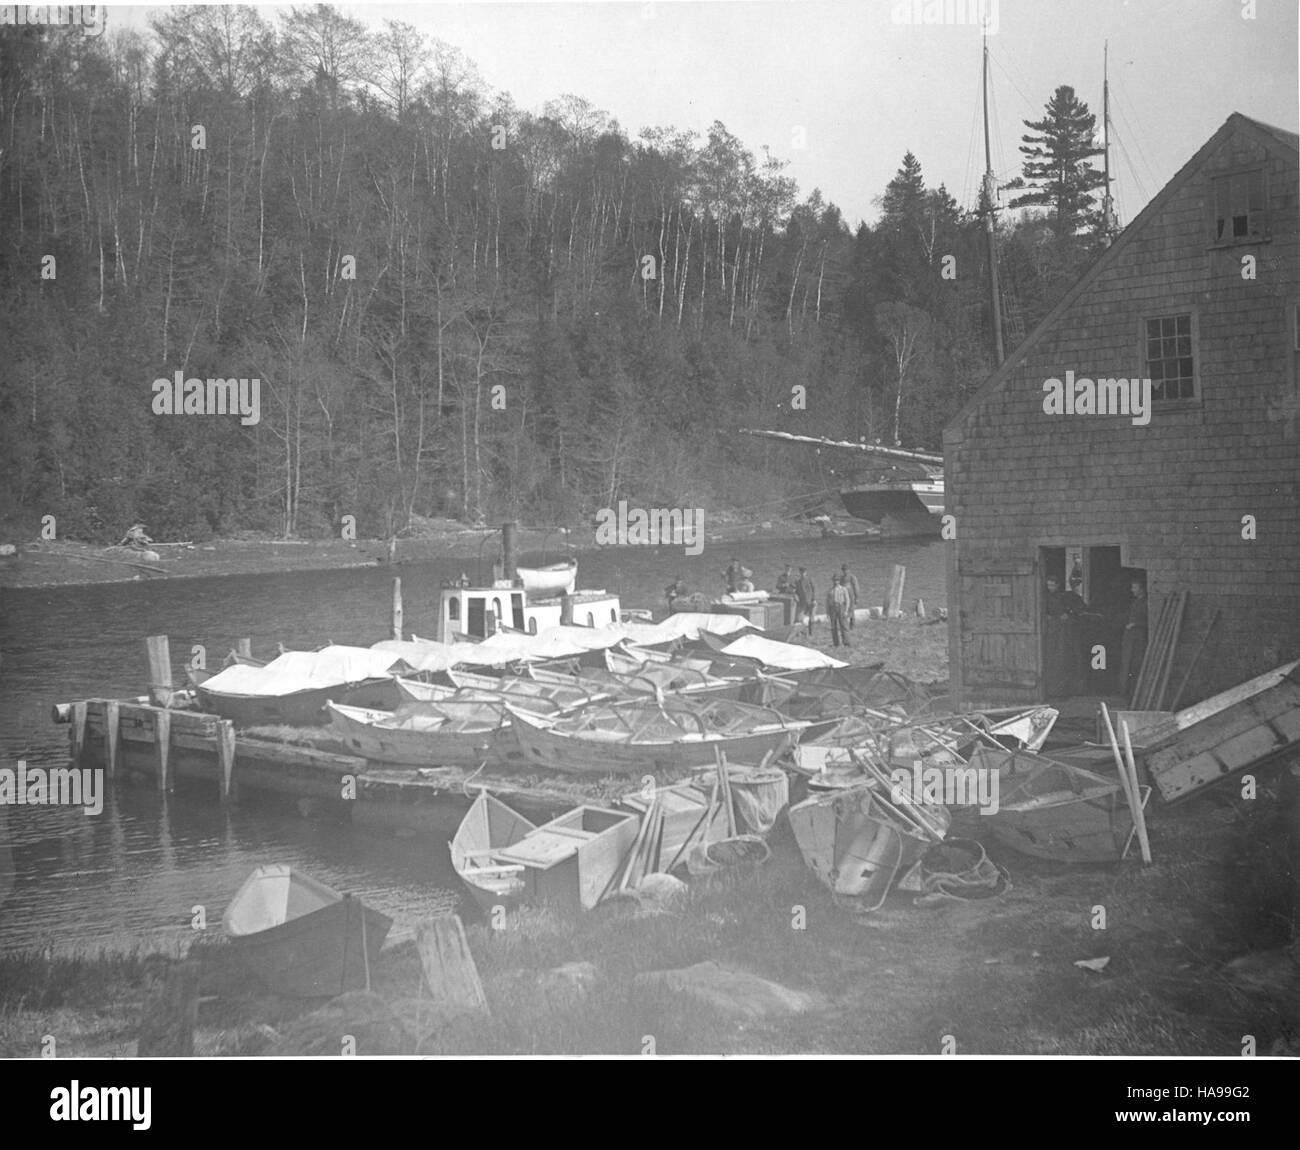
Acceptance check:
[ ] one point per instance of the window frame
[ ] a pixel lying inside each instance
(1183, 401)
(1263, 233)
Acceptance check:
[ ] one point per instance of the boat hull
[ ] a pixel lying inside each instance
(298, 709)
(490, 825)
(361, 731)
(547, 582)
(555, 751)
(317, 954)
(874, 501)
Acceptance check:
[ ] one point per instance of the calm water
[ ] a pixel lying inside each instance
(141, 865)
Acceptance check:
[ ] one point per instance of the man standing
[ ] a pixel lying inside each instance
(837, 607)
(732, 575)
(850, 582)
(1062, 640)
(1133, 647)
(806, 594)
(785, 581)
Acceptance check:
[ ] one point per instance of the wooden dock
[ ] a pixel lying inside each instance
(134, 739)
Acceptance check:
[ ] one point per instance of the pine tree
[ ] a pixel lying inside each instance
(1057, 166)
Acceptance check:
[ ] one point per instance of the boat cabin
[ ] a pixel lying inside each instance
(477, 612)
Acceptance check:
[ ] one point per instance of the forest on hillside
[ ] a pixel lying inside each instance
(456, 308)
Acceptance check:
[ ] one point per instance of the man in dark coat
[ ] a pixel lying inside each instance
(850, 582)
(807, 596)
(1062, 640)
(1133, 646)
(837, 609)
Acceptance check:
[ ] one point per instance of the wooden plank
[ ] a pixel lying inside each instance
(995, 565)
(449, 968)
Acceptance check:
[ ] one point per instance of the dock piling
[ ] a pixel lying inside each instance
(894, 598)
(226, 757)
(244, 648)
(78, 731)
(163, 737)
(160, 670)
(112, 732)
(508, 567)
(397, 607)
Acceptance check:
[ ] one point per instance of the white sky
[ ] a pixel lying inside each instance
(864, 89)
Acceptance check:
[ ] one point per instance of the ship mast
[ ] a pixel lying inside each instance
(989, 192)
(1108, 228)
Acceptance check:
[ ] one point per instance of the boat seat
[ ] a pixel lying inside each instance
(543, 849)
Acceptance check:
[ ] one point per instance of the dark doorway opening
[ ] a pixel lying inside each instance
(1083, 625)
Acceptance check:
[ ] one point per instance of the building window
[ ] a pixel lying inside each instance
(453, 609)
(1169, 360)
(1239, 206)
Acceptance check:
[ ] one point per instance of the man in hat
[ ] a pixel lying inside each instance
(785, 581)
(806, 594)
(732, 575)
(837, 608)
(850, 582)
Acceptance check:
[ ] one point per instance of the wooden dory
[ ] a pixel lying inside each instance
(547, 582)
(1056, 810)
(301, 937)
(490, 826)
(570, 862)
(670, 734)
(455, 732)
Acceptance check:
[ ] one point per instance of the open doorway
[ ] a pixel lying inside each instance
(1082, 636)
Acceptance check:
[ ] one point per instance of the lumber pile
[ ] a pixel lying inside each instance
(1153, 677)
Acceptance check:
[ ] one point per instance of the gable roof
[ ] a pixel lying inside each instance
(1274, 139)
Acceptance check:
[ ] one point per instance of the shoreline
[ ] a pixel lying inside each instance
(73, 563)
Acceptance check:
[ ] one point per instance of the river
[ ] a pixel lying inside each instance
(138, 869)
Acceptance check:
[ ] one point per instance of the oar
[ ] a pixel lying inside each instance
(1133, 800)
(725, 785)
(1139, 815)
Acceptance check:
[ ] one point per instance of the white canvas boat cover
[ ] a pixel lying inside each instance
(686, 625)
(306, 671)
(784, 656)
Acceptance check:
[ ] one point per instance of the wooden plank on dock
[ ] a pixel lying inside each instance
(449, 967)
(894, 597)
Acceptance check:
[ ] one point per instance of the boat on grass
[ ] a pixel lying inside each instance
(301, 937)
(1053, 809)
(570, 862)
(668, 733)
(490, 825)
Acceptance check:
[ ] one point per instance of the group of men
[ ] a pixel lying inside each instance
(841, 600)
(1070, 628)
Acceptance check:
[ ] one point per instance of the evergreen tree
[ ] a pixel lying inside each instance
(1058, 151)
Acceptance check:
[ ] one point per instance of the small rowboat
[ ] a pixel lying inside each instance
(1053, 809)
(570, 862)
(647, 733)
(548, 582)
(487, 827)
(301, 937)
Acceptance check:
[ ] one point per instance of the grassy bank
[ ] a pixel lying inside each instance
(998, 975)
(41, 563)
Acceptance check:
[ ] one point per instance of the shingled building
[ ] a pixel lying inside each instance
(1200, 295)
